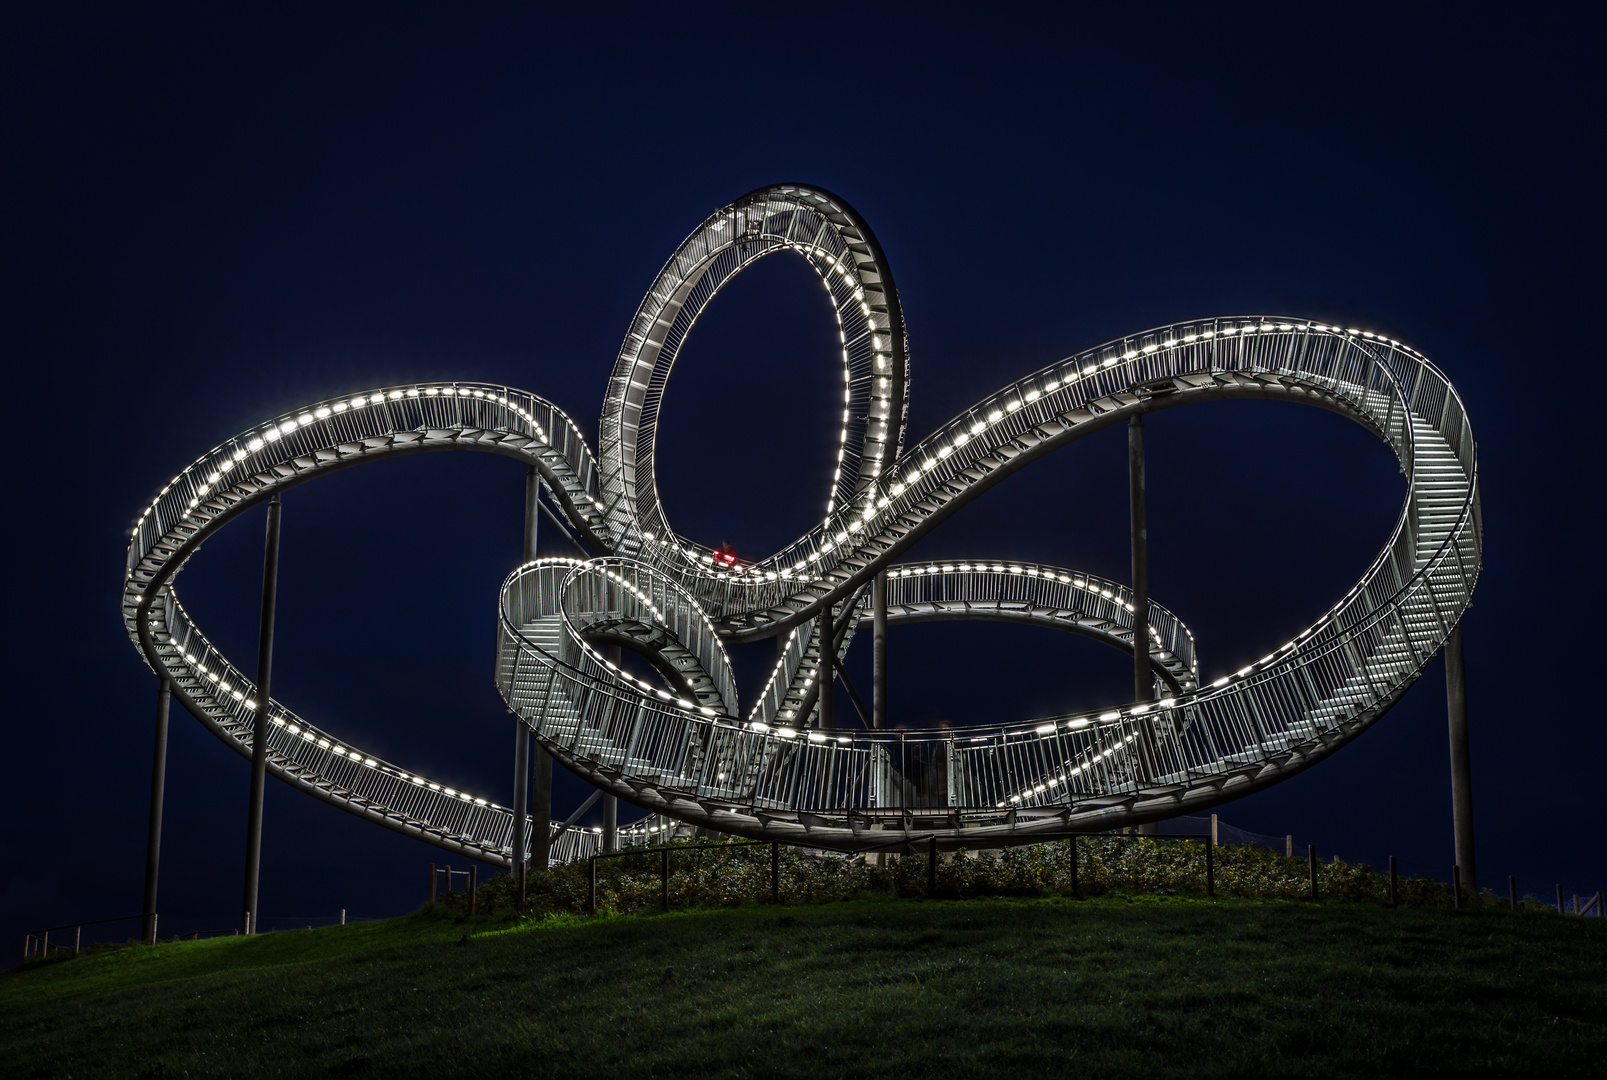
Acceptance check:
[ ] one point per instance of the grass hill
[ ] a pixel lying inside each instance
(1111, 987)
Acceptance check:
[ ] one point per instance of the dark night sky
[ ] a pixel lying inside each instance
(214, 217)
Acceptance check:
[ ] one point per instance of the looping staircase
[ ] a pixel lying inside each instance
(677, 744)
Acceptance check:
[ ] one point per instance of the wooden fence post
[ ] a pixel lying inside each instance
(664, 880)
(473, 874)
(1210, 860)
(1311, 858)
(1512, 891)
(1076, 886)
(429, 893)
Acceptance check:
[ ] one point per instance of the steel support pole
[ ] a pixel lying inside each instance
(541, 812)
(1456, 702)
(828, 657)
(521, 735)
(532, 512)
(1143, 680)
(153, 834)
(611, 802)
(521, 792)
(261, 724)
(878, 692)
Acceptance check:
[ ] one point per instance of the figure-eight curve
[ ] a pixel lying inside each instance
(679, 745)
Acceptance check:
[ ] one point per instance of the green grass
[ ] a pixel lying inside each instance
(1143, 986)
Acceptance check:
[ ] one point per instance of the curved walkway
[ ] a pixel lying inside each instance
(681, 746)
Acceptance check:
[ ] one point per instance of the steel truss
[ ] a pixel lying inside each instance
(680, 746)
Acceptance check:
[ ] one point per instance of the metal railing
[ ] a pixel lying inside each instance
(826, 232)
(1343, 671)
(1369, 374)
(1247, 722)
(688, 753)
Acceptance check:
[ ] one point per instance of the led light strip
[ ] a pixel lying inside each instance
(236, 474)
(1390, 386)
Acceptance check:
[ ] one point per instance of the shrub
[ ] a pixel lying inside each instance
(713, 874)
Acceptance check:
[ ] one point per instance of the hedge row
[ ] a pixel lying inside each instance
(711, 874)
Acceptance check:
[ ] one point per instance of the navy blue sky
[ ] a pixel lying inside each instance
(213, 217)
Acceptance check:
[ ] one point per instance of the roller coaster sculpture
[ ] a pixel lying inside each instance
(680, 745)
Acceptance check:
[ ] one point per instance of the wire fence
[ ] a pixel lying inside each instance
(96, 935)
(1190, 856)
(1291, 846)
(1199, 854)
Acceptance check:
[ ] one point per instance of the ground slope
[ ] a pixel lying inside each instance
(865, 988)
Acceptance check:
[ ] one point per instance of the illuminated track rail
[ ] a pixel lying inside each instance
(249, 469)
(680, 746)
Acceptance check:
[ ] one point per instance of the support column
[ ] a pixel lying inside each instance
(521, 734)
(261, 724)
(541, 811)
(878, 652)
(532, 512)
(1456, 702)
(1143, 678)
(521, 794)
(611, 802)
(153, 834)
(828, 656)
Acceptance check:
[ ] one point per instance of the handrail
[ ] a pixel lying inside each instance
(1337, 630)
(1014, 405)
(691, 754)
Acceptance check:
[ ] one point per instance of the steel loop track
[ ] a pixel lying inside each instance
(679, 745)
